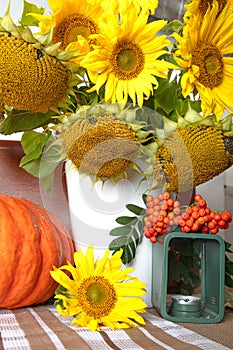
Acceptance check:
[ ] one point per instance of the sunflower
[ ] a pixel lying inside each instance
(204, 53)
(99, 293)
(127, 58)
(199, 8)
(30, 80)
(105, 144)
(190, 151)
(182, 161)
(71, 22)
(33, 75)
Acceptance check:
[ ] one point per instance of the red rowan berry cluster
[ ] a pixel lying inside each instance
(200, 218)
(164, 214)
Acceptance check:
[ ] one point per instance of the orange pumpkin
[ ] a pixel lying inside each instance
(32, 241)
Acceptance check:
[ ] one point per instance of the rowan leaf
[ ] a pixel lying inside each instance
(120, 231)
(125, 220)
(135, 209)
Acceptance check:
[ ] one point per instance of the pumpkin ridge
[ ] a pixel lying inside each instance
(49, 246)
(57, 246)
(8, 263)
(26, 273)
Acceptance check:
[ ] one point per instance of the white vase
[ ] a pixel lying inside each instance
(94, 209)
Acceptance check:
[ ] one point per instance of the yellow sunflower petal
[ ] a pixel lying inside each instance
(70, 19)
(82, 263)
(131, 288)
(62, 278)
(115, 260)
(122, 59)
(203, 51)
(103, 295)
(93, 325)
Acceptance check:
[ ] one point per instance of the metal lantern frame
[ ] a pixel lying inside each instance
(208, 307)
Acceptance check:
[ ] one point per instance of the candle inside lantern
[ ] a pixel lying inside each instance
(186, 305)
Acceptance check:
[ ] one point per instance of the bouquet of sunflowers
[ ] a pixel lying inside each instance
(107, 84)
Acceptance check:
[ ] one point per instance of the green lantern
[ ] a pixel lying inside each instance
(206, 302)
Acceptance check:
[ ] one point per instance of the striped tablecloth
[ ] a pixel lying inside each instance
(42, 328)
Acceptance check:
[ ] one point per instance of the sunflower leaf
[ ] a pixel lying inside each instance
(33, 144)
(32, 167)
(18, 121)
(173, 26)
(41, 157)
(30, 8)
(166, 95)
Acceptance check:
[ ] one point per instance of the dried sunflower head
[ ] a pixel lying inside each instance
(35, 76)
(2, 109)
(192, 153)
(30, 80)
(102, 146)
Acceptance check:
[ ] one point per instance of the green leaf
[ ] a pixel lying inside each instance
(174, 268)
(125, 220)
(46, 183)
(183, 246)
(120, 231)
(50, 159)
(173, 26)
(228, 298)
(227, 247)
(41, 157)
(128, 255)
(33, 144)
(165, 95)
(135, 209)
(30, 8)
(144, 198)
(18, 121)
(195, 278)
(181, 107)
(128, 243)
(33, 167)
(118, 243)
(228, 281)
(129, 234)
(136, 236)
(228, 266)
